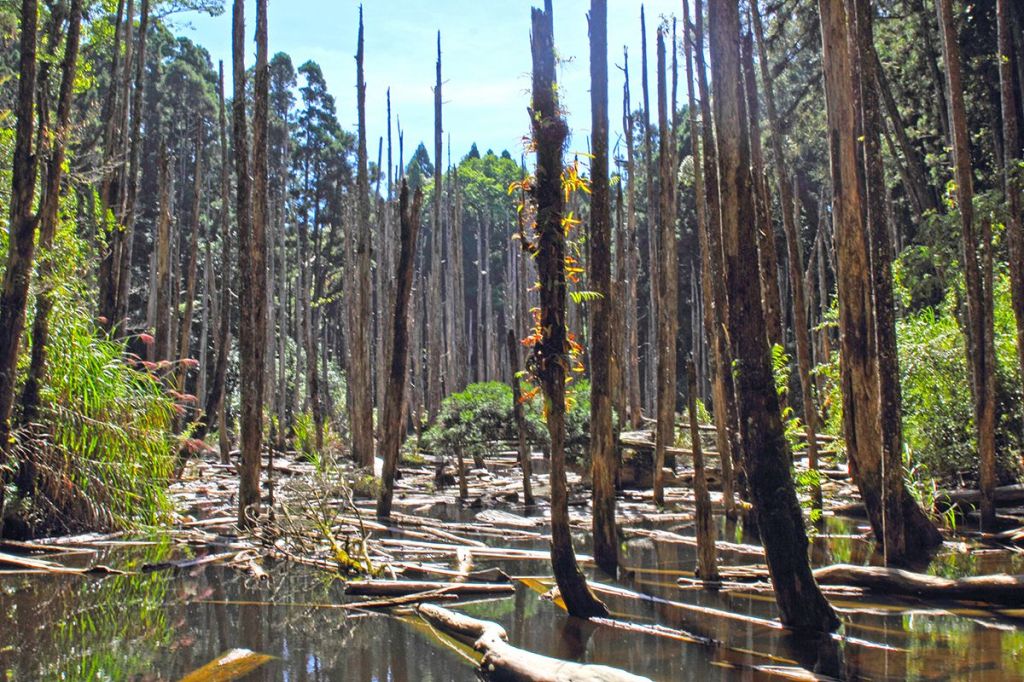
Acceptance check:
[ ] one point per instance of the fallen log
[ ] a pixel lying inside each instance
(502, 661)
(1001, 589)
(388, 588)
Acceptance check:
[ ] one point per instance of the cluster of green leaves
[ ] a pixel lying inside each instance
(476, 418)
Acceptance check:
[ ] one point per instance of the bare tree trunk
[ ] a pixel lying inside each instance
(215, 397)
(651, 231)
(48, 219)
(667, 281)
(602, 445)
(790, 224)
(768, 258)
(124, 268)
(359, 366)
(251, 215)
(549, 133)
(897, 537)
(162, 328)
(707, 562)
(725, 395)
(185, 330)
(978, 330)
(22, 226)
(523, 446)
(766, 455)
(393, 427)
(632, 249)
(1011, 180)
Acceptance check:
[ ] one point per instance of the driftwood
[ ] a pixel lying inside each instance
(1005, 590)
(400, 587)
(502, 661)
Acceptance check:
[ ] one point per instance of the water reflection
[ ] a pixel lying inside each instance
(162, 625)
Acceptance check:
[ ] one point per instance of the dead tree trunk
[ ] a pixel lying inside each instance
(667, 281)
(48, 218)
(707, 563)
(162, 328)
(191, 273)
(22, 226)
(725, 394)
(549, 134)
(522, 445)
(765, 453)
(392, 423)
(250, 258)
(767, 254)
(631, 246)
(359, 366)
(790, 225)
(215, 397)
(602, 445)
(1011, 179)
(978, 331)
(712, 330)
(651, 231)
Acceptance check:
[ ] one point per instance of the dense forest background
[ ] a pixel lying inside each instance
(130, 360)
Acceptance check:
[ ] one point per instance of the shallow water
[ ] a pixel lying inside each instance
(162, 625)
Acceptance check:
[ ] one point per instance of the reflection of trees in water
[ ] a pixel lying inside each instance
(85, 628)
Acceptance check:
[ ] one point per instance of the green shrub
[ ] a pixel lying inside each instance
(938, 417)
(482, 414)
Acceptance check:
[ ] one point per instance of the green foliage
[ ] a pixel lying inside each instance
(482, 414)
(105, 451)
(937, 408)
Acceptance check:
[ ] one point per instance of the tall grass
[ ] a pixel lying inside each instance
(102, 451)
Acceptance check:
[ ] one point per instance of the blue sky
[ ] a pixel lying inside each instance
(485, 59)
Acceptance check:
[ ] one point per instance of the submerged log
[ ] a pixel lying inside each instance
(400, 587)
(1002, 589)
(502, 661)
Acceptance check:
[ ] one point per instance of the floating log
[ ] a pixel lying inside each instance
(1001, 589)
(502, 661)
(389, 588)
(231, 665)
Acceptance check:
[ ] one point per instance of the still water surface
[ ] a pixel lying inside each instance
(164, 624)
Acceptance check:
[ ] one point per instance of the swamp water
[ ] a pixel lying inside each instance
(164, 624)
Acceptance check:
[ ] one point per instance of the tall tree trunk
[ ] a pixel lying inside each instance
(765, 453)
(48, 218)
(725, 393)
(978, 330)
(215, 398)
(667, 281)
(124, 268)
(518, 413)
(650, 232)
(393, 428)
(602, 445)
(22, 226)
(359, 366)
(191, 273)
(895, 535)
(549, 133)
(767, 254)
(1011, 178)
(707, 562)
(790, 225)
(250, 256)
(632, 263)
(162, 282)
